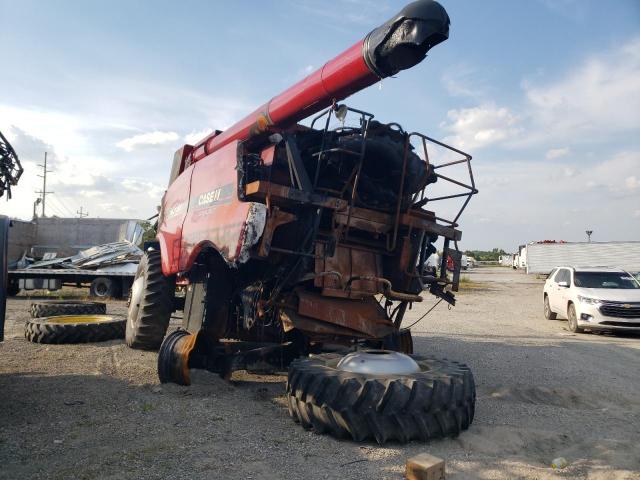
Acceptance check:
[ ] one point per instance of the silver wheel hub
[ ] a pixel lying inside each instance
(378, 362)
(136, 296)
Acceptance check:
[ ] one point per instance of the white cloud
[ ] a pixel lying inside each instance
(632, 182)
(599, 97)
(145, 139)
(463, 81)
(194, 137)
(481, 126)
(595, 102)
(557, 153)
(539, 198)
(137, 186)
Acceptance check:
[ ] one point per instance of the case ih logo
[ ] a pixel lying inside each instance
(213, 197)
(175, 210)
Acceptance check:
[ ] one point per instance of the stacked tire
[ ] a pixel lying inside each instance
(64, 322)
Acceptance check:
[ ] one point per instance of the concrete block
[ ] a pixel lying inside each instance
(425, 467)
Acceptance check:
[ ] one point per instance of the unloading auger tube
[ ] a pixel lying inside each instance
(400, 43)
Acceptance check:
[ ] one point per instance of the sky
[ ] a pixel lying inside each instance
(543, 94)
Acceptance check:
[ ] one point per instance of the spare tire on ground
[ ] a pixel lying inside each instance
(67, 307)
(436, 400)
(74, 329)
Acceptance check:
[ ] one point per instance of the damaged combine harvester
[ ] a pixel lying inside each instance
(296, 240)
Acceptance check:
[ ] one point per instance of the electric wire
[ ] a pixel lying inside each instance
(427, 313)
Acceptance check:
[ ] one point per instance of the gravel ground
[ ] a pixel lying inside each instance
(97, 411)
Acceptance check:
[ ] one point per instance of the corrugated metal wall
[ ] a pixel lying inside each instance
(543, 257)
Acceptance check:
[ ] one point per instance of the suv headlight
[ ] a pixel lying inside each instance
(589, 300)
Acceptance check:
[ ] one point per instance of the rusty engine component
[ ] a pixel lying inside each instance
(10, 168)
(292, 237)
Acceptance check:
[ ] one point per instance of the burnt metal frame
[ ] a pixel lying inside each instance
(10, 167)
(419, 199)
(365, 119)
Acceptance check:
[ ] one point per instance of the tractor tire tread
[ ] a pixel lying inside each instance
(54, 309)
(437, 402)
(40, 331)
(156, 306)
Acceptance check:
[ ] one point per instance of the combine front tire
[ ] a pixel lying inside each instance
(150, 305)
(435, 400)
(173, 358)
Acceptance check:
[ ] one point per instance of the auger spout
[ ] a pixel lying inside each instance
(400, 43)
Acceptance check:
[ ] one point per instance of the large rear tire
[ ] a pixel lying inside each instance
(437, 401)
(150, 305)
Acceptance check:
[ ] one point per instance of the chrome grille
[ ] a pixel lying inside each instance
(621, 309)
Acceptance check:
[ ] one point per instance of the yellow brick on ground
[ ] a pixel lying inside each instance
(425, 467)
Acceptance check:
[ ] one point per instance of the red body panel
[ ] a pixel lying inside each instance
(213, 215)
(337, 79)
(174, 210)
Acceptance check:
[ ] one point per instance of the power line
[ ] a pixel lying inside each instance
(81, 214)
(44, 191)
(64, 205)
(55, 203)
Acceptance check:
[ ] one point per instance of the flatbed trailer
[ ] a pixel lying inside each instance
(101, 283)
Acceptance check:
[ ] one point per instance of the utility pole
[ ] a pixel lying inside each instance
(589, 232)
(44, 192)
(82, 214)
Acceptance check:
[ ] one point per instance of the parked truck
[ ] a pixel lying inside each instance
(294, 240)
(52, 252)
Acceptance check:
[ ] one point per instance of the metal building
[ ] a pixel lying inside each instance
(543, 257)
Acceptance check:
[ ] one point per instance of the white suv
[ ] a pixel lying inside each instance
(593, 298)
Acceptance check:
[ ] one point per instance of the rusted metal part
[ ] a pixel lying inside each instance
(383, 223)
(349, 263)
(226, 357)
(276, 217)
(286, 196)
(366, 317)
(387, 289)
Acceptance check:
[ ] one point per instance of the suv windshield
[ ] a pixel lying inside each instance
(605, 280)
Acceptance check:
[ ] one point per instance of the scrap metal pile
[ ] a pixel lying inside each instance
(10, 168)
(114, 256)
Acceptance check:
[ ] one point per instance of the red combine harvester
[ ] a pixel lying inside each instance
(303, 246)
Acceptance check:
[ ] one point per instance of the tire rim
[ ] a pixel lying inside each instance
(546, 307)
(101, 289)
(136, 297)
(378, 362)
(66, 319)
(572, 319)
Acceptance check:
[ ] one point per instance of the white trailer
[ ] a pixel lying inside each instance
(541, 258)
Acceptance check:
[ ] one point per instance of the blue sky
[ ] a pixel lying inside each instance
(545, 95)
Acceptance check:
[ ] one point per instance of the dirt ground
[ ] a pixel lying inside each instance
(98, 411)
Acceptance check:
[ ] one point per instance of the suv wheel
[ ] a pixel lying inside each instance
(548, 314)
(573, 319)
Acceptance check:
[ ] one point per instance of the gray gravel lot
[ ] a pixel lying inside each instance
(97, 411)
